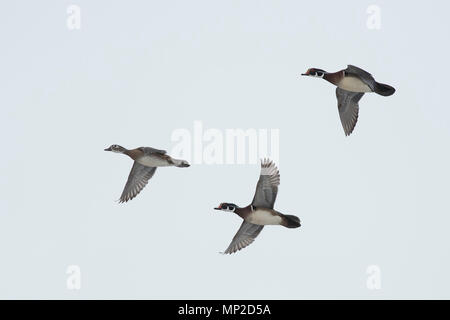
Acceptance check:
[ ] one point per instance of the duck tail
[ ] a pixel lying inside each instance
(384, 89)
(180, 163)
(290, 221)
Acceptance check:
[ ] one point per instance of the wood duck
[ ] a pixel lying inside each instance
(146, 160)
(351, 84)
(260, 212)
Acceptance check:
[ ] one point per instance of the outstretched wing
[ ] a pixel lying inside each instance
(246, 234)
(267, 187)
(361, 74)
(137, 180)
(348, 108)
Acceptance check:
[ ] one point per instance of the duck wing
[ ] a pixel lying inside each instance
(246, 234)
(137, 180)
(150, 150)
(365, 77)
(267, 187)
(348, 108)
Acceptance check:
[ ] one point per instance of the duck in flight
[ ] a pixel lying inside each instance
(260, 212)
(146, 160)
(351, 84)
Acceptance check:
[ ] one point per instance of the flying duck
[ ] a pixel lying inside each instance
(146, 160)
(260, 212)
(351, 84)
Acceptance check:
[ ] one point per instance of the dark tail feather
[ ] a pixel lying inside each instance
(290, 221)
(384, 89)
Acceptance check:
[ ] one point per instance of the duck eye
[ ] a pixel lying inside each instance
(313, 73)
(319, 74)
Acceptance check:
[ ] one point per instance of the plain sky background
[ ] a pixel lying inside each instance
(138, 70)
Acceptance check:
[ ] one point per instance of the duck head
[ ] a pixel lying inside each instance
(116, 148)
(315, 72)
(228, 207)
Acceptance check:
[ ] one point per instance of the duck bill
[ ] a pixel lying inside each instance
(217, 209)
(108, 149)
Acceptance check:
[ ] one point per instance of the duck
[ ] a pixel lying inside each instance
(260, 212)
(146, 160)
(351, 84)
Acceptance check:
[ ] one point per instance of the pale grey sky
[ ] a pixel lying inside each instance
(138, 70)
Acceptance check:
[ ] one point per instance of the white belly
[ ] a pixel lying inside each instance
(353, 84)
(264, 217)
(153, 162)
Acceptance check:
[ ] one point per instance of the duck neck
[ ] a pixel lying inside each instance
(243, 212)
(133, 154)
(334, 77)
